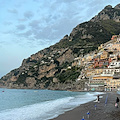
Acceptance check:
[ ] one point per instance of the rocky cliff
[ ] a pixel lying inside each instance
(108, 13)
(53, 67)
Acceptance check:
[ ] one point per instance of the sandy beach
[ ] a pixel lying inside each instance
(97, 111)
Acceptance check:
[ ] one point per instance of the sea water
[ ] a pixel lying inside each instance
(19, 104)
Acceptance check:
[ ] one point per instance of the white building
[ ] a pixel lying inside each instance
(114, 65)
(110, 71)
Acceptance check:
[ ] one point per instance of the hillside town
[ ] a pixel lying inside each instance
(102, 67)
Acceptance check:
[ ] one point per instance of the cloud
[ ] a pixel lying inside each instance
(22, 19)
(53, 20)
(21, 27)
(8, 32)
(35, 24)
(2, 43)
(28, 14)
(65, 1)
(14, 11)
(26, 34)
(8, 23)
(36, 0)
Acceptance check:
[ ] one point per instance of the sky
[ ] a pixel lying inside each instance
(28, 26)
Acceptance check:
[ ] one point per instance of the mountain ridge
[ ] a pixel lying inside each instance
(49, 68)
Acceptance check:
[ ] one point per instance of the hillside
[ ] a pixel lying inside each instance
(53, 67)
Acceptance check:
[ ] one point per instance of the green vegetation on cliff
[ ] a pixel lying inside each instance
(69, 74)
(111, 26)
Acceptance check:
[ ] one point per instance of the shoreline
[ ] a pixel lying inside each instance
(97, 111)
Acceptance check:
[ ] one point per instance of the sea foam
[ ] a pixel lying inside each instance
(48, 109)
(31, 112)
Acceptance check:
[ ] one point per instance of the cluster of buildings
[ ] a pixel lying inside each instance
(102, 67)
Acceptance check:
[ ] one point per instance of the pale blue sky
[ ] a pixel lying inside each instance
(27, 26)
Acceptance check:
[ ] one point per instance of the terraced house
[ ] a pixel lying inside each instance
(108, 61)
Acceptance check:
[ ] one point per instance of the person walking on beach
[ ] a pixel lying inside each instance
(117, 102)
(98, 98)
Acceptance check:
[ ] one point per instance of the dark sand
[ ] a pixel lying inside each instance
(102, 112)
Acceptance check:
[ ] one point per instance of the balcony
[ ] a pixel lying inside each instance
(96, 84)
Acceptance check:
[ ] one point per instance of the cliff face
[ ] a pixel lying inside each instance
(49, 68)
(39, 70)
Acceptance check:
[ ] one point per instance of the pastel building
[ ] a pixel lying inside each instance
(113, 83)
(104, 55)
(98, 82)
(101, 63)
(101, 46)
(114, 36)
(110, 72)
(116, 46)
(92, 72)
(113, 57)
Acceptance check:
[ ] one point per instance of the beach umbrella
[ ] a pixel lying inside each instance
(95, 107)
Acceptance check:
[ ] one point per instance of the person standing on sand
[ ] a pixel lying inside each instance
(117, 101)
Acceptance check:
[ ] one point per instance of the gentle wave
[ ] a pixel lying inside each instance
(46, 110)
(34, 111)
